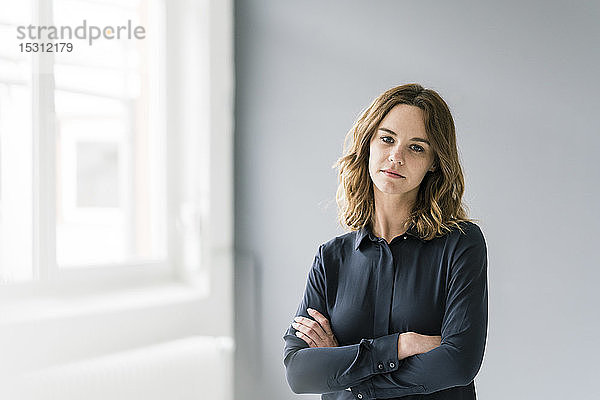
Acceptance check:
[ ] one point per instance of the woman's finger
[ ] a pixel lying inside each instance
(324, 322)
(330, 340)
(311, 328)
(307, 339)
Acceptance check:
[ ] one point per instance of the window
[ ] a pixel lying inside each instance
(110, 191)
(91, 185)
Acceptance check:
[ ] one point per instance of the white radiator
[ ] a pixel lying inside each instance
(194, 368)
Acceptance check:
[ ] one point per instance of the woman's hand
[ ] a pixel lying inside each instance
(411, 343)
(316, 333)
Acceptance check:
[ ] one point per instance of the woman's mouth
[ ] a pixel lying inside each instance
(392, 174)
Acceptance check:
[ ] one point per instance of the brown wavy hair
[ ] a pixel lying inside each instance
(438, 206)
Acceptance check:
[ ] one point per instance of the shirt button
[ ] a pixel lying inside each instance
(359, 396)
(392, 365)
(380, 366)
(404, 237)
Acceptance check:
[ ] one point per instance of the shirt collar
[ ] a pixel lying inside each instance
(365, 232)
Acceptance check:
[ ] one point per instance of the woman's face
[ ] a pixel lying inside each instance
(401, 137)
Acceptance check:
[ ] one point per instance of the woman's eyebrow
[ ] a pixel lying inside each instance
(416, 139)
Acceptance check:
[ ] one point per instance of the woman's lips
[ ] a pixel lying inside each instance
(392, 174)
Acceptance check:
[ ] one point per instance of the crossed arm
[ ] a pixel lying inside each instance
(318, 333)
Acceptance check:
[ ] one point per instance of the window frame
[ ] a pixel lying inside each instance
(198, 37)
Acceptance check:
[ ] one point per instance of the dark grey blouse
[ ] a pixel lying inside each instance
(372, 291)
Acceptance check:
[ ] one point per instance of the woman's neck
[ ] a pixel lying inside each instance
(392, 213)
(391, 224)
(389, 232)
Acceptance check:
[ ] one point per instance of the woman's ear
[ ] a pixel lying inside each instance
(433, 166)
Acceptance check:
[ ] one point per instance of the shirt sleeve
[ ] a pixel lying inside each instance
(330, 369)
(464, 330)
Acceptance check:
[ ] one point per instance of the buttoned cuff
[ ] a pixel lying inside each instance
(384, 359)
(374, 356)
(384, 353)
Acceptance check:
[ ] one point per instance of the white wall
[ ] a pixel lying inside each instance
(521, 80)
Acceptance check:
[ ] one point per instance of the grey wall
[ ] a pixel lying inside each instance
(521, 80)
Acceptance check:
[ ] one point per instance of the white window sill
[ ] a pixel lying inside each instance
(65, 306)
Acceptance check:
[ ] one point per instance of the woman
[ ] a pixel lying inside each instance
(398, 306)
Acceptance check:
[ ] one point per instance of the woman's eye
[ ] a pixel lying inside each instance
(418, 148)
(385, 139)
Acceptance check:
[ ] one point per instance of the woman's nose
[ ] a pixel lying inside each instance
(396, 155)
